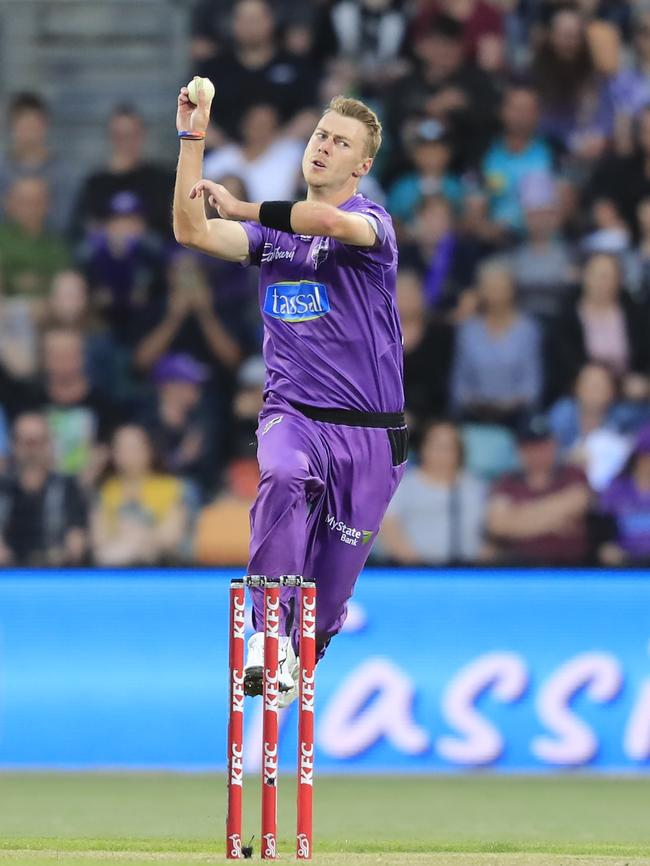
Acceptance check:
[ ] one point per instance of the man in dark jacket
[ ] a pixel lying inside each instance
(43, 516)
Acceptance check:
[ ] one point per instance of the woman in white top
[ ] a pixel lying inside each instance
(436, 517)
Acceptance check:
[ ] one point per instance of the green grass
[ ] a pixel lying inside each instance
(393, 821)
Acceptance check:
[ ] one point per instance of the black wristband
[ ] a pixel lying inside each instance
(277, 215)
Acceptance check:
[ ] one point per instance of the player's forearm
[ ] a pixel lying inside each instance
(190, 221)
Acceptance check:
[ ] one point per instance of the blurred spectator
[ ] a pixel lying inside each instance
(19, 338)
(445, 258)
(43, 515)
(437, 514)
(577, 112)
(211, 24)
(124, 263)
(627, 502)
(371, 32)
(209, 27)
(428, 345)
(512, 159)
(497, 367)
(430, 153)
(127, 170)
(445, 88)
(178, 421)
(29, 154)
(69, 307)
(79, 416)
(625, 179)
(636, 262)
(641, 62)
(481, 22)
(628, 88)
(30, 255)
(253, 65)
(247, 405)
(608, 232)
(4, 440)
(590, 427)
(603, 327)
(267, 161)
(543, 265)
(616, 11)
(223, 528)
(187, 322)
(139, 518)
(539, 516)
(234, 289)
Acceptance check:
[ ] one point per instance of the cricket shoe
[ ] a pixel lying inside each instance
(292, 666)
(254, 667)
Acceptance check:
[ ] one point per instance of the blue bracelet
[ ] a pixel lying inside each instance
(191, 136)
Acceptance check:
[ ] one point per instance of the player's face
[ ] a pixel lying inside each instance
(336, 153)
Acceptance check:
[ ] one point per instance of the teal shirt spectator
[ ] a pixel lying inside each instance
(504, 171)
(406, 194)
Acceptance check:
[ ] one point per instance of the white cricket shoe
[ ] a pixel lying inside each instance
(292, 669)
(254, 666)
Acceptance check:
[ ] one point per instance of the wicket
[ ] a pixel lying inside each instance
(306, 611)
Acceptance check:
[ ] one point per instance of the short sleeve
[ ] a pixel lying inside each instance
(256, 240)
(385, 248)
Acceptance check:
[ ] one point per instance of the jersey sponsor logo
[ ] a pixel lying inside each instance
(296, 302)
(271, 253)
(348, 534)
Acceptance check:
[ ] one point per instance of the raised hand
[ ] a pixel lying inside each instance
(227, 206)
(191, 117)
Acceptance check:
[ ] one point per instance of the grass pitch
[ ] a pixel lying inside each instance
(391, 821)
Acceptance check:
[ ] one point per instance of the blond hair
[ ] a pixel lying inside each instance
(348, 107)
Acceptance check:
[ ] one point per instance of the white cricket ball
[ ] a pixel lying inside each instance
(208, 89)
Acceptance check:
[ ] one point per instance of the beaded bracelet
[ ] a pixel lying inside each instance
(191, 136)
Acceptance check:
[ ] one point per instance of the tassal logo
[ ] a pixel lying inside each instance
(296, 302)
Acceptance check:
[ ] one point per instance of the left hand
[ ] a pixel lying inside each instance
(227, 206)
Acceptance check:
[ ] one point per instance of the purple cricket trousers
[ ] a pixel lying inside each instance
(324, 488)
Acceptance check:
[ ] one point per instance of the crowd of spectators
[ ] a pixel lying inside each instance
(516, 167)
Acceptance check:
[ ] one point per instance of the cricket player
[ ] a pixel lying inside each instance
(331, 440)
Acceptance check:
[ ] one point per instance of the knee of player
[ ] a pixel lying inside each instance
(291, 472)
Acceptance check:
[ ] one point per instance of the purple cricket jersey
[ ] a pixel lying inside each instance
(332, 335)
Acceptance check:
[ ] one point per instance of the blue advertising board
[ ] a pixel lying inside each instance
(434, 671)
